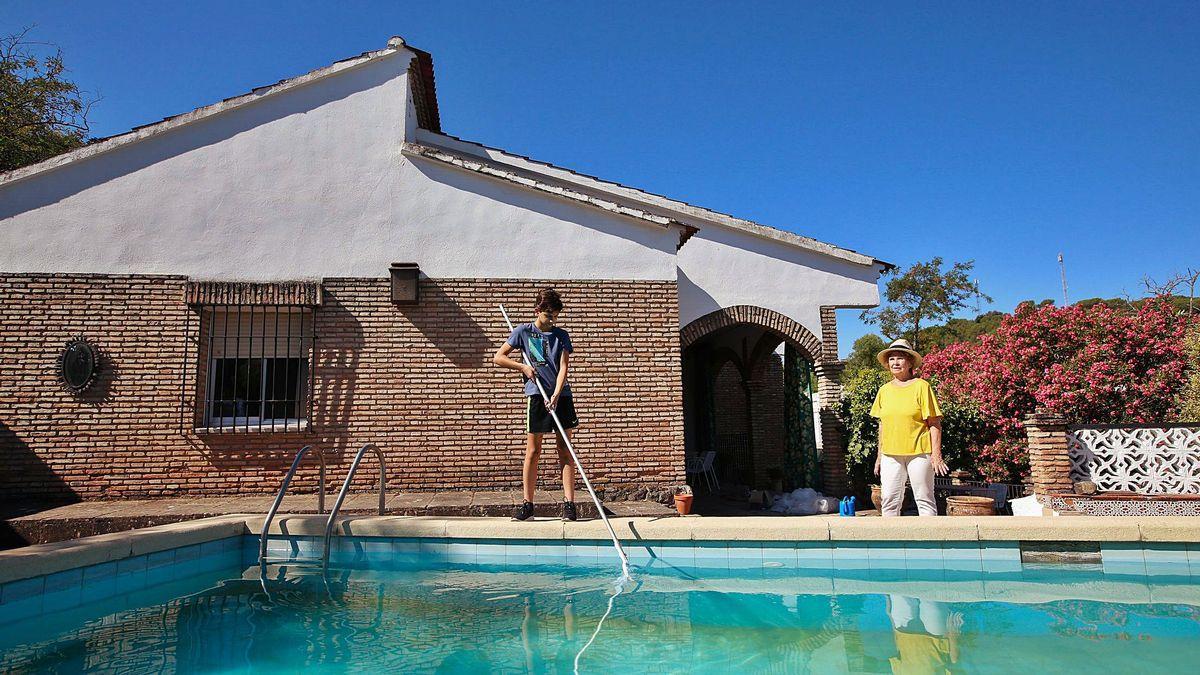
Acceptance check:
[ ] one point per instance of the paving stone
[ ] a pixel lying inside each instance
(71, 521)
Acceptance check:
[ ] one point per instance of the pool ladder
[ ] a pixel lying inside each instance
(323, 561)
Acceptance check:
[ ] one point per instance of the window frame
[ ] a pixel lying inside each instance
(208, 406)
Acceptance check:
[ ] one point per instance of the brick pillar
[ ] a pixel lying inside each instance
(833, 434)
(1048, 460)
(829, 394)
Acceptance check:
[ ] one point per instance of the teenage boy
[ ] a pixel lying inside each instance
(548, 348)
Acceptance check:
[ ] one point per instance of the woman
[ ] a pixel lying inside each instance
(926, 633)
(910, 433)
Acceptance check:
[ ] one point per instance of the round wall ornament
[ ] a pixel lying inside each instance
(78, 364)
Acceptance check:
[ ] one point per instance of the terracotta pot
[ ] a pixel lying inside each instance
(683, 504)
(876, 496)
(966, 505)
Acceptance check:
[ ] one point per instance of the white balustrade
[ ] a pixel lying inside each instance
(1145, 460)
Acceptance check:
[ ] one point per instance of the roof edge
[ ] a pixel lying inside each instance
(395, 45)
(531, 181)
(423, 87)
(560, 174)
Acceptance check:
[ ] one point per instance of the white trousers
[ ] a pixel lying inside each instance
(932, 614)
(895, 471)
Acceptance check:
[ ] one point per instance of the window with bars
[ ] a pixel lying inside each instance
(257, 368)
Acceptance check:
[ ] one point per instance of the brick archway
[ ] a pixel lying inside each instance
(769, 320)
(821, 352)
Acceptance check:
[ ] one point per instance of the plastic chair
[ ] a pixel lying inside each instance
(704, 466)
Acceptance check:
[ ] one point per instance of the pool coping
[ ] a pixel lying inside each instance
(43, 559)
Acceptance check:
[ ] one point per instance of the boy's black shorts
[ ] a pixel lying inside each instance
(538, 419)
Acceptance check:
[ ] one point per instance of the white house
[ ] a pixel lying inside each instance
(231, 266)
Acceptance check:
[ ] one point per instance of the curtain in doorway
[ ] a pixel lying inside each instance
(801, 466)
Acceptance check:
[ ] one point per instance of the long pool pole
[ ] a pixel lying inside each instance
(574, 457)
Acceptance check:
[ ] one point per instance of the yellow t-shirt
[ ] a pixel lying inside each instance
(924, 654)
(902, 411)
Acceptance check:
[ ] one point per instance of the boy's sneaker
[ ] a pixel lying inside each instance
(524, 511)
(569, 512)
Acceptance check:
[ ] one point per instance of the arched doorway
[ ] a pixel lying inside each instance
(749, 395)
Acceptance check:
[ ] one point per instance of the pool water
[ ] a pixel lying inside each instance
(479, 618)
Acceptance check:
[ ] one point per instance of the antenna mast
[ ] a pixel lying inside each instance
(1062, 269)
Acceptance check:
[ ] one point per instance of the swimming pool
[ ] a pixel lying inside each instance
(470, 605)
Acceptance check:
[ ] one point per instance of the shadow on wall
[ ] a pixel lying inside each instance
(29, 195)
(339, 349)
(644, 234)
(449, 327)
(107, 373)
(27, 484)
(694, 302)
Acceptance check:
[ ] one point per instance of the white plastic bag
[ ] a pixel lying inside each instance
(804, 502)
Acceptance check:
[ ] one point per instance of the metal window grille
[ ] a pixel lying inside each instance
(258, 367)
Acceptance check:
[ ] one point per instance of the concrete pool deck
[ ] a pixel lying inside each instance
(43, 559)
(40, 524)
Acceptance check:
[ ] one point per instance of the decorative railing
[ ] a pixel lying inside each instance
(1152, 460)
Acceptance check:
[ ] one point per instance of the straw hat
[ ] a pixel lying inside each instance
(899, 346)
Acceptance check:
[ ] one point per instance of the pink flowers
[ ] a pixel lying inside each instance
(1092, 365)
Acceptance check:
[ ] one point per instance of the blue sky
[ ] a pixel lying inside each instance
(999, 132)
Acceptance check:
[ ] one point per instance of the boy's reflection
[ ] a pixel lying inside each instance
(532, 642)
(926, 634)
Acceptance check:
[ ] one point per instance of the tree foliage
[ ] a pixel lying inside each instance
(960, 330)
(1189, 397)
(862, 355)
(41, 113)
(923, 294)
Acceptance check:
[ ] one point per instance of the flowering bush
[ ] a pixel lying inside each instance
(1004, 460)
(1091, 365)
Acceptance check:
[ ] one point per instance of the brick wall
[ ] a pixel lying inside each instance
(766, 405)
(416, 380)
(731, 419)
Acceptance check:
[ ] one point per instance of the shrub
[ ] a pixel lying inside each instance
(1189, 397)
(862, 430)
(1092, 365)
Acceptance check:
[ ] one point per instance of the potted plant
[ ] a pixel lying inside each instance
(683, 500)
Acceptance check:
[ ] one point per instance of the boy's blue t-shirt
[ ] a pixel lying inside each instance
(545, 352)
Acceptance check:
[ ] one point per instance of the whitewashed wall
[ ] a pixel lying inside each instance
(722, 267)
(308, 183)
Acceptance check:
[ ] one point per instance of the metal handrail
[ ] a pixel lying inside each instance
(337, 505)
(287, 480)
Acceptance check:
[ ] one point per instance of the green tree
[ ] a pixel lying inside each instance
(1189, 397)
(960, 330)
(921, 295)
(41, 113)
(862, 355)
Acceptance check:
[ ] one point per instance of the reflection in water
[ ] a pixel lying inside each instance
(536, 621)
(926, 634)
